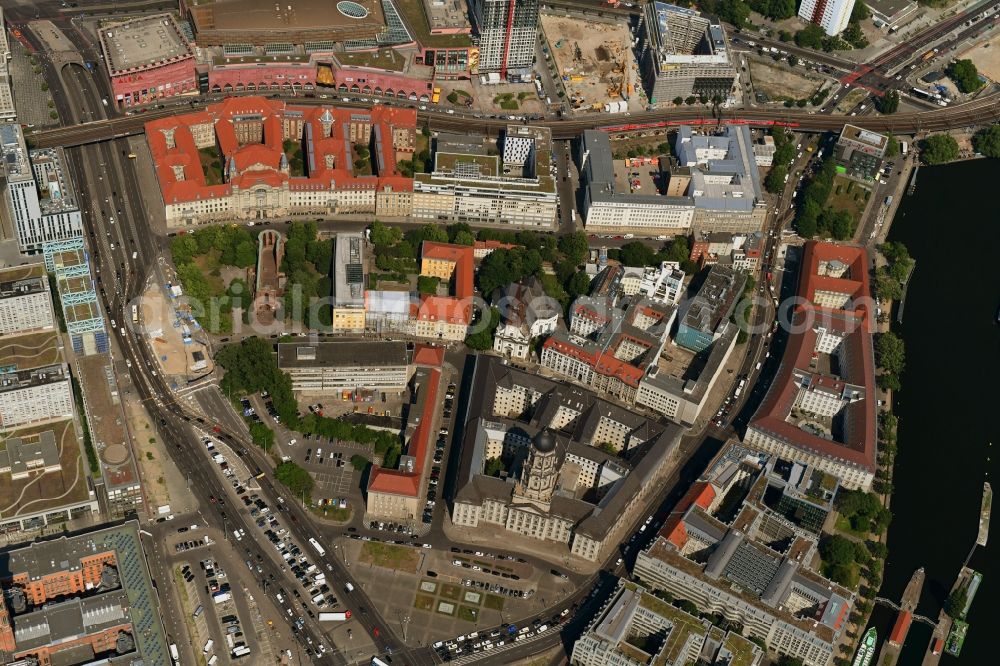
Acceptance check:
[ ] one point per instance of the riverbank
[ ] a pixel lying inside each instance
(937, 477)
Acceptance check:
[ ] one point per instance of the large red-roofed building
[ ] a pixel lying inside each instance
(253, 158)
(821, 407)
(395, 493)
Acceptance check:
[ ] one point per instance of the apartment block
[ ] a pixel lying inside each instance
(25, 302)
(507, 31)
(831, 15)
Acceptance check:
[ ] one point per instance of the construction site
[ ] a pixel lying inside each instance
(593, 62)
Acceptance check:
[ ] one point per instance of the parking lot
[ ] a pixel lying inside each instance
(336, 483)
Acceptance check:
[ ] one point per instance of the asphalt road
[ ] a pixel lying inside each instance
(123, 253)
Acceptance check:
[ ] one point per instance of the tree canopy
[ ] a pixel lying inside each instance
(890, 353)
(501, 267)
(955, 604)
(295, 478)
(987, 141)
(889, 102)
(965, 75)
(777, 10)
(735, 12)
(810, 37)
(483, 339)
(814, 216)
(574, 246)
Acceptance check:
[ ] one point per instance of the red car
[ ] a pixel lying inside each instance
(375, 631)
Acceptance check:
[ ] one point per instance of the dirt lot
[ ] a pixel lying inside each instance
(849, 100)
(986, 57)
(158, 322)
(484, 97)
(781, 82)
(849, 195)
(594, 52)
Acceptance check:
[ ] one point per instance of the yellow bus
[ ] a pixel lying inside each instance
(436, 97)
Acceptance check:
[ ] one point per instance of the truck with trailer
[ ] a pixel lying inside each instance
(335, 617)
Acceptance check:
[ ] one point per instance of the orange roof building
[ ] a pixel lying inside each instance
(445, 317)
(821, 407)
(252, 158)
(394, 493)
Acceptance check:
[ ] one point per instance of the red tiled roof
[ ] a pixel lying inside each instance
(427, 355)
(855, 284)
(339, 175)
(398, 482)
(442, 308)
(421, 438)
(702, 494)
(256, 153)
(603, 362)
(675, 531)
(858, 446)
(463, 257)
(900, 629)
(456, 309)
(394, 482)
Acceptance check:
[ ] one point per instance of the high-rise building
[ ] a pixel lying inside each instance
(684, 54)
(831, 15)
(38, 194)
(507, 32)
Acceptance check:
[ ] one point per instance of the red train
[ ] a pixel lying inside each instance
(634, 127)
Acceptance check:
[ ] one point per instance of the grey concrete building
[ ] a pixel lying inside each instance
(607, 206)
(336, 368)
(724, 179)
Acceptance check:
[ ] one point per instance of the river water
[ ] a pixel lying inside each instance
(949, 406)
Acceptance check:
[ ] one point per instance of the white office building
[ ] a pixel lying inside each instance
(606, 207)
(831, 15)
(39, 197)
